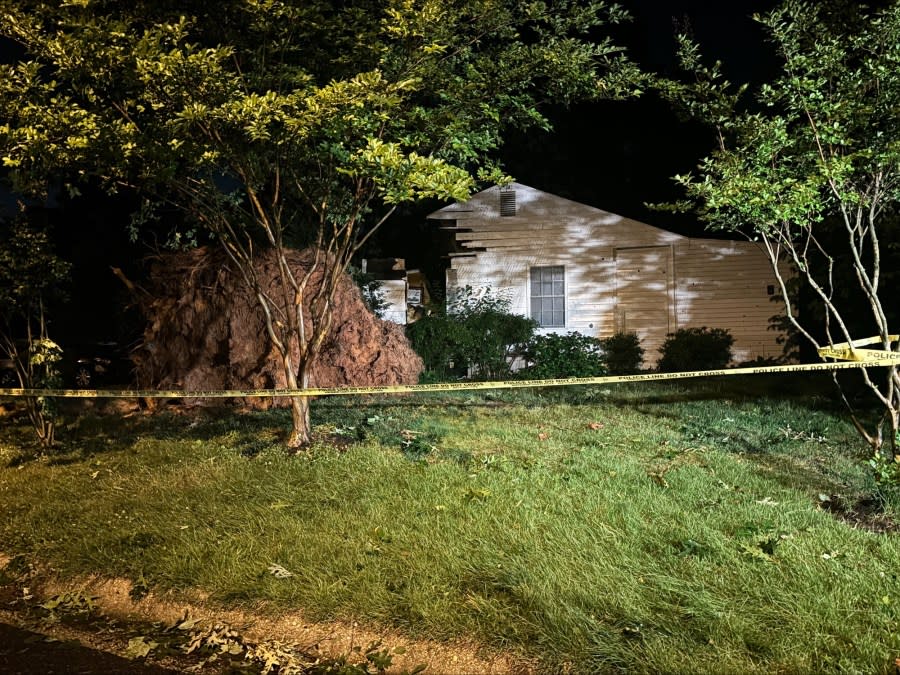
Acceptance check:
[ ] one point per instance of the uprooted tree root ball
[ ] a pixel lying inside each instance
(205, 330)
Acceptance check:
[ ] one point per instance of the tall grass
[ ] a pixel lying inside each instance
(682, 529)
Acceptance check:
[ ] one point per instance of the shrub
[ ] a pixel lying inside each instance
(568, 355)
(476, 332)
(623, 353)
(432, 339)
(696, 349)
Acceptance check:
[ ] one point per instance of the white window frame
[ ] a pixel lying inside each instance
(547, 284)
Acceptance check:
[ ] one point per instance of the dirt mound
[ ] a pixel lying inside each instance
(205, 330)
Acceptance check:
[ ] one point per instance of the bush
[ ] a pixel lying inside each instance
(476, 332)
(568, 355)
(623, 353)
(696, 349)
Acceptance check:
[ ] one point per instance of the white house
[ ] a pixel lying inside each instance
(573, 267)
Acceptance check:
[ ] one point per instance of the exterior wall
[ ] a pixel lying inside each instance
(620, 274)
(394, 293)
(645, 295)
(728, 284)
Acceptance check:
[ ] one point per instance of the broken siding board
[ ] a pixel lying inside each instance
(557, 246)
(492, 232)
(527, 249)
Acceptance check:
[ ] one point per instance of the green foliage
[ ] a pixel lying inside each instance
(566, 355)
(30, 271)
(308, 122)
(437, 339)
(622, 353)
(808, 164)
(476, 331)
(696, 349)
(649, 503)
(31, 275)
(393, 102)
(886, 468)
(44, 357)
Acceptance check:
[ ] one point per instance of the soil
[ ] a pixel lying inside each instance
(205, 330)
(865, 513)
(23, 652)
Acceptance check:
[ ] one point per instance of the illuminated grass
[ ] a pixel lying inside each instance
(643, 529)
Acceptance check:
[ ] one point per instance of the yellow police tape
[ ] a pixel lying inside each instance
(848, 351)
(883, 359)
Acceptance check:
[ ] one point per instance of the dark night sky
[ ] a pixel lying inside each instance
(619, 155)
(612, 155)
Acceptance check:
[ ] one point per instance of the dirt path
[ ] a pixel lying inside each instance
(95, 626)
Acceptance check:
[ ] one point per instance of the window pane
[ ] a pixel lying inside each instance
(548, 295)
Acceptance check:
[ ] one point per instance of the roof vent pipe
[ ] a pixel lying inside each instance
(507, 202)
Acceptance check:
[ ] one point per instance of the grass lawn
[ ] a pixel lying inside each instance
(706, 527)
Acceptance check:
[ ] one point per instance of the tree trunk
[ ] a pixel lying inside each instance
(300, 428)
(300, 431)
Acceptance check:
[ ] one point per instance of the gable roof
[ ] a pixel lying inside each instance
(531, 204)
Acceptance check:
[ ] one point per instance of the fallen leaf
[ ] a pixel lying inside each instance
(139, 647)
(596, 426)
(279, 572)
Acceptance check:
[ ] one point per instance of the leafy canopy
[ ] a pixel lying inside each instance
(402, 100)
(810, 167)
(268, 121)
(823, 138)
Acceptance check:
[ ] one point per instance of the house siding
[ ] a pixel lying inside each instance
(620, 274)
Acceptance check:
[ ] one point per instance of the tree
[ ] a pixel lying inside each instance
(31, 274)
(810, 167)
(270, 123)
